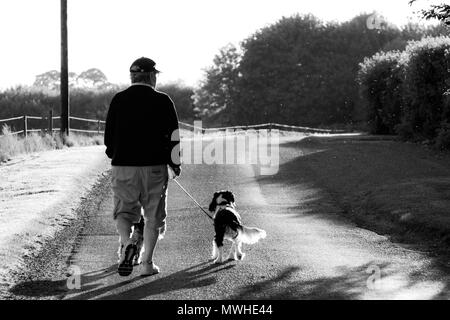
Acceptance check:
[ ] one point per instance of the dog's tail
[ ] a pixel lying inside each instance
(251, 235)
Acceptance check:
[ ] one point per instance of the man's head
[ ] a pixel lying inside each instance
(143, 70)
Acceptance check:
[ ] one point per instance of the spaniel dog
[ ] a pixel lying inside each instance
(227, 225)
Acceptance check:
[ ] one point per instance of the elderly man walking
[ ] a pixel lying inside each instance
(141, 138)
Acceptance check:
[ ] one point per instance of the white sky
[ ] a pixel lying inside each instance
(182, 36)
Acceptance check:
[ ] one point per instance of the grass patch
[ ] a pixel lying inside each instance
(14, 145)
(390, 187)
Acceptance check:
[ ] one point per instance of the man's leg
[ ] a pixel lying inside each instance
(123, 226)
(155, 180)
(151, 235)
(127, 210)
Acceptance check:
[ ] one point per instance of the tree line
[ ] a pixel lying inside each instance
(90, 96)
(299, 71)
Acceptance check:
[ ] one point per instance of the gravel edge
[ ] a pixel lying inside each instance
(36, 280)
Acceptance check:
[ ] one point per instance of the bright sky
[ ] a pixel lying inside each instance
(181, 36)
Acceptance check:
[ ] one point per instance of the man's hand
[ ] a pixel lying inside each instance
(174, 172)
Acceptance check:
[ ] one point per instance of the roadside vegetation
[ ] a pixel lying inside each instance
(408, 92)
(394, 188)
(14, 145)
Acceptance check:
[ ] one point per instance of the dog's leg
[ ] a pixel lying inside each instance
(218, 238)
(219, 258)
(240, 254)
(219, 250)
(232, 254)
(215, 250)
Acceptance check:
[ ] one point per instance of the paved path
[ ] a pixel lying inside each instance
(310, 251)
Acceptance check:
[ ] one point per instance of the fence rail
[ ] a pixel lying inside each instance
(50, 118)
(10, 119)
(268, 126)
(87, 120)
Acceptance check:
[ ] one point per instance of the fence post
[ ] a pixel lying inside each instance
(50, 121)
(64, 88)
(25, 127)
(98, 126)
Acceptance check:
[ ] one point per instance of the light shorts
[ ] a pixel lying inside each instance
(137, 188)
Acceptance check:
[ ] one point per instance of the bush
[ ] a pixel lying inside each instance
(408, 92)
(8, 144)
(381, 79)
(68, 140)
(427, 78)
(405, 131)
(443, 137)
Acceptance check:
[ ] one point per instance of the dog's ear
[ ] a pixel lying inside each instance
(229, 196)
(213, 204)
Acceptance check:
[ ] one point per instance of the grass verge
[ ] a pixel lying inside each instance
(394, 188)
(13, 145)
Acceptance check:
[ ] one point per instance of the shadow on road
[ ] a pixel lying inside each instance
(335, 178)
(196, 276)
(348, 284)
(58, 288)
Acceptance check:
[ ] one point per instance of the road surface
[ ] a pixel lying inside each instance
(311, 251)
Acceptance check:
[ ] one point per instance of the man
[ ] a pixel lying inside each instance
(141, 138)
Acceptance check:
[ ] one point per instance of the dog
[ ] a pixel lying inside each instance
(228, 226)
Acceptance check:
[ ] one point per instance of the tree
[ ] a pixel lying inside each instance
(276, 71)
(49, 80)
(302, 71)
(92, 78)
(217, 91)
(182, 98)
(298, 71)
(440, 12)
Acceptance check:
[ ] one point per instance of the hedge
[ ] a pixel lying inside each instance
(408, 92)
(381, 83)
(427, 78)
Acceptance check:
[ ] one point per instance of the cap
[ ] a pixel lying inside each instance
(143, 64)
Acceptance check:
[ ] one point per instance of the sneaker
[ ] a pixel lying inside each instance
(126, 265)
(149, 269)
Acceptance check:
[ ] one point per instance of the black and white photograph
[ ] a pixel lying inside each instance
(223, 157)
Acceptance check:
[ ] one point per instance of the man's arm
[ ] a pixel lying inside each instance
(174, 137)
(109, 130)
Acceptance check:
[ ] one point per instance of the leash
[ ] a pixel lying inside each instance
(185, 191)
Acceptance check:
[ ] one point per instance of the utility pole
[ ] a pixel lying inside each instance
(65, 106)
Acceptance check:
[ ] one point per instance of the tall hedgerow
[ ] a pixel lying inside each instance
(381, 80)
(427, 79)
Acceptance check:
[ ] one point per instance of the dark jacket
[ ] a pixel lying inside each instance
(142, 128)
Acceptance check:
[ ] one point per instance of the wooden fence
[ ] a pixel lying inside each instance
(49, 126)
(266, 126)
(99, 123)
